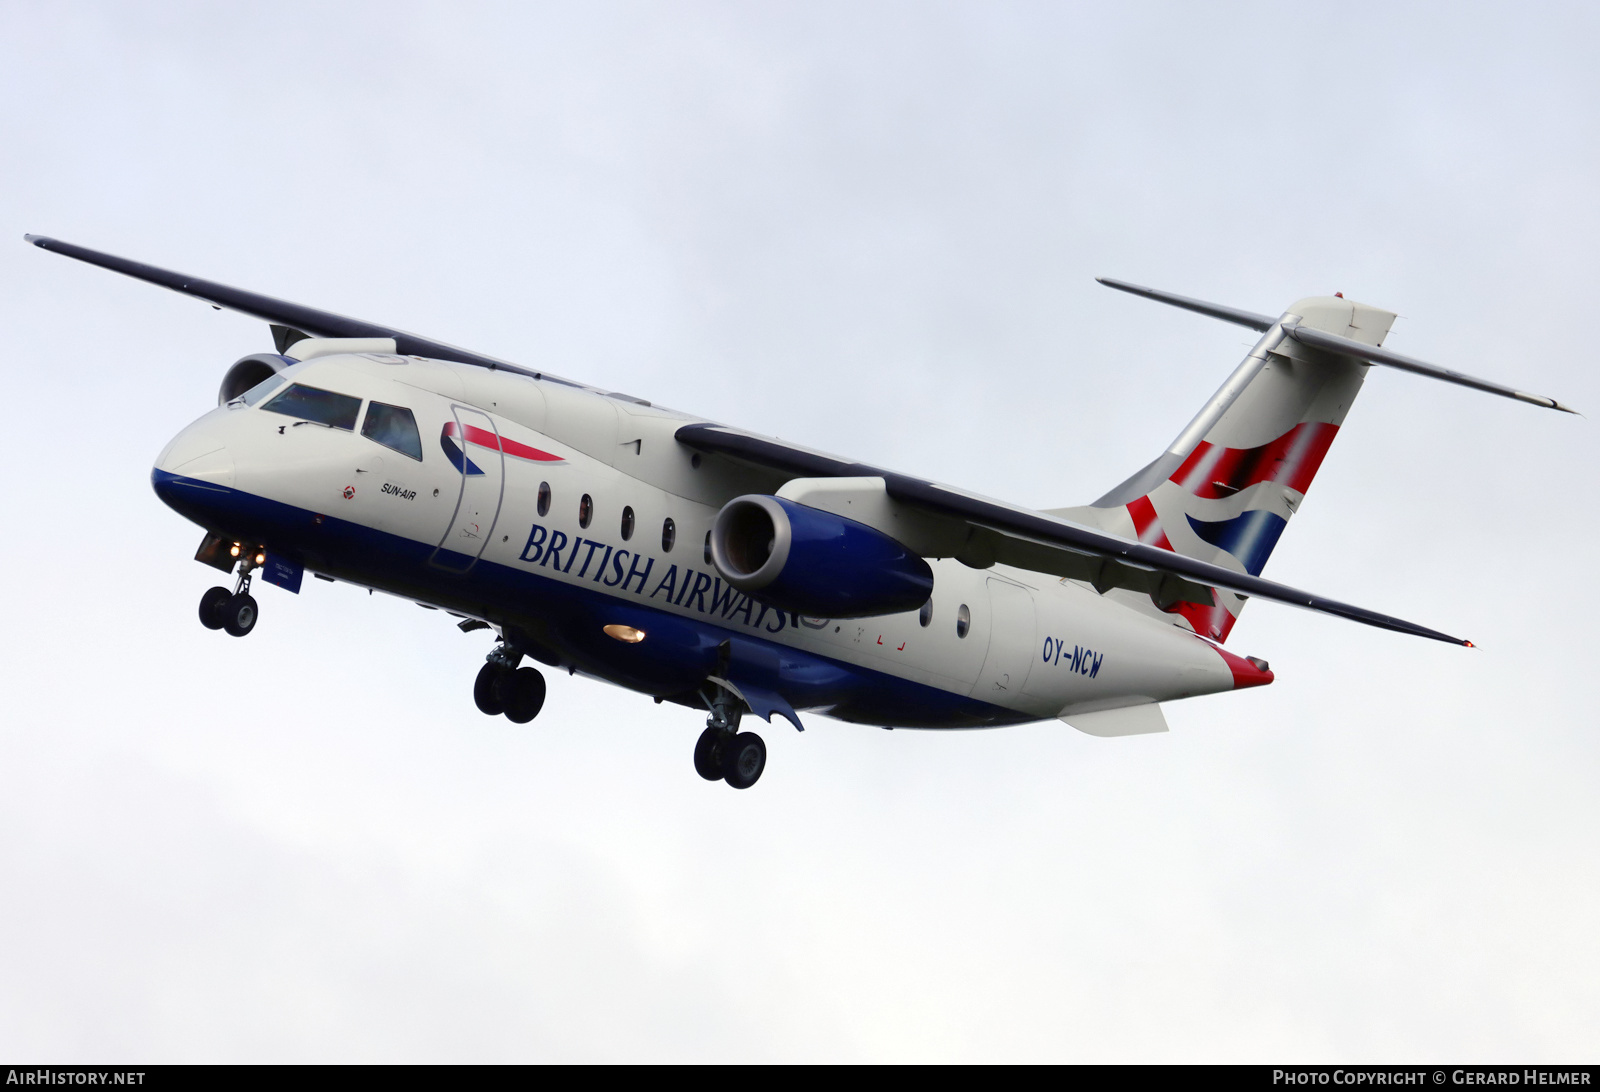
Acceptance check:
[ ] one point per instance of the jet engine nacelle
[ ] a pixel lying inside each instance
(813, 562)
(247, 371)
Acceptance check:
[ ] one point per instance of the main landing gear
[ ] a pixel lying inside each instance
(235, 611)
(503, 687)
(723, 753)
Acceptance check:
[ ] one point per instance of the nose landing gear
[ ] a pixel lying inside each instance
(503, 687)
(236, 611)
(723, 753)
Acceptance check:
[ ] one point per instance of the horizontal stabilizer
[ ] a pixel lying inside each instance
(1333, 343)
(1215, 310)
(1130, 720)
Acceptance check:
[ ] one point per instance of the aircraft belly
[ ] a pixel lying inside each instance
(566, 615)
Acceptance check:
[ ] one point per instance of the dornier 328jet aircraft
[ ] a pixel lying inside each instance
(704, 565)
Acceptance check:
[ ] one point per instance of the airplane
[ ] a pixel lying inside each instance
(604, 535)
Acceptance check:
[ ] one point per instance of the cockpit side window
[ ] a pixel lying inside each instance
(262, 389)
(394, 427)
(313, 404)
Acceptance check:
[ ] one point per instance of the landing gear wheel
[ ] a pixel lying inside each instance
(485, 693)
(523, 694)
(239, 614)
(211, 604)
(743, 759)
(707, 759)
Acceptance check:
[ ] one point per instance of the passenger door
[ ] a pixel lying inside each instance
(1011, 644)
(472, 443)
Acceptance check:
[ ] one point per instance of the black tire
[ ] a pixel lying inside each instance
(484, 691)
(743, 759)
(524, 697)
(239, 614)
(211, 604)
(503, 689)
(707, 758)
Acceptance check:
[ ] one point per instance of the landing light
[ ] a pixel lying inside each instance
(261, 558)
(235, 550)
(625, 634)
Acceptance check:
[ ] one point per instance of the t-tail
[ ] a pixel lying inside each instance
(1227, 487)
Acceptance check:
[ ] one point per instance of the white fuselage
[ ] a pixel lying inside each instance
(1021, 645)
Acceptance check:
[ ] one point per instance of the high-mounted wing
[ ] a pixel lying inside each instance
(287, 319)
(997, 532)
(989, 531)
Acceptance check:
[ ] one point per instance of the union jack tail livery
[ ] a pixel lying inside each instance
(1226, 488)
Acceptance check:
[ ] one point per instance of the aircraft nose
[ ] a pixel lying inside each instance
(199, 452)
(197, 462)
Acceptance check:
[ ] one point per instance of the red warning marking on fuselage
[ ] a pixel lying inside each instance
(484, 438)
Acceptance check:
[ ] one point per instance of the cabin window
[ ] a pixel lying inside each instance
(585, 511)
(394, 427)
(544, 498)
(669, 535)
(314, 404)
(627, 523)
(925, 615)
(708, 548)
(963, 621)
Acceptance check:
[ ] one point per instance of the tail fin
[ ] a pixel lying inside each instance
(1226, 488)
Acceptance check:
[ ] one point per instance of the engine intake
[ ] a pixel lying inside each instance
(247, 371)
(813, 562)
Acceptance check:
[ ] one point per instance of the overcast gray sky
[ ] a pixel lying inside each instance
(871, 228)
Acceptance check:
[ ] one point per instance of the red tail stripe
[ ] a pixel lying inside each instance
(1213, 621)
(1291, 460)
(484, 438)
(1147, 525)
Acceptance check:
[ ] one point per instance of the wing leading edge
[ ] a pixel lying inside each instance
(1010, 535)
(291, 317)
(995, 532)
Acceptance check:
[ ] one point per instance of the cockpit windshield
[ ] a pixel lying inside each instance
(313, 404)
(394, 427)
(261, 389)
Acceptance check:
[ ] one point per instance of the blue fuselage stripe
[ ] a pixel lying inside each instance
(560, 623)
